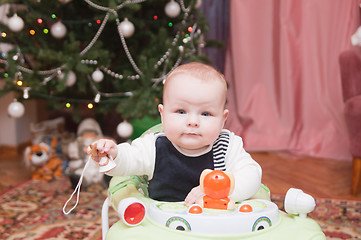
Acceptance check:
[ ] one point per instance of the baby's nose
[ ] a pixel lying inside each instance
(193, 121)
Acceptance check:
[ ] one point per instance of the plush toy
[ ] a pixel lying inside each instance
(46, 131)
(217, 186)
(41, 158)
(88, 131)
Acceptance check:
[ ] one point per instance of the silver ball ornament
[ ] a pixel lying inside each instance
(97, 76)
(172, 9)
(127, 28)
(71, 79)
(198, 4)
(58, 30)
(16, 109)
(124, 129)
(16, 23)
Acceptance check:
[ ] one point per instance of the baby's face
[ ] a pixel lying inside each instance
(193, 113)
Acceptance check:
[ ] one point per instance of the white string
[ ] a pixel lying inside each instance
(76, 190)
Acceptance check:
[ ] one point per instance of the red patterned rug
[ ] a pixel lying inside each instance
(33, 211)
(339, 219)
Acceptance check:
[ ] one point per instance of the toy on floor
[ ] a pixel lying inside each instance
(220, 218)
(43, 161)
(45, 131)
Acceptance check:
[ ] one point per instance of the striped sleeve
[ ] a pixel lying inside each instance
(219, 151)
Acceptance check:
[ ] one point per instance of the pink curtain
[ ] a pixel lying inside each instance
(284, 77)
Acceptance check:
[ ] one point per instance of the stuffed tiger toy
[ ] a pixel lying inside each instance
(43, 161)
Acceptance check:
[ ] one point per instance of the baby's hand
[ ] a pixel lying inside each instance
(103, 147)
(193, 196)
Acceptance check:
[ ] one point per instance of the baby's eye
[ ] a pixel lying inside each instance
(206, 114)
(181, 111)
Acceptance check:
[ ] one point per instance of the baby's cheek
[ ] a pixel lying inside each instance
(210, 137)
(171, 132)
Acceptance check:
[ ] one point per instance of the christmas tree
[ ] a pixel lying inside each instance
(110, 54)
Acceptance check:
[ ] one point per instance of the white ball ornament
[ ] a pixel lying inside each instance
(198, 4)
(97, 76)
(126, 27)
(71, 79)
(124, 129)
(58, 30)
(16, 109)
(16, 23)
(172, 9)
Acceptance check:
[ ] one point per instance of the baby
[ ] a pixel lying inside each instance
(193, 114)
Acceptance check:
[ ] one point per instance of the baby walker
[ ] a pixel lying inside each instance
(215, 217)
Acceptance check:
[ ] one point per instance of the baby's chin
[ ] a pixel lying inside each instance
(193, 150)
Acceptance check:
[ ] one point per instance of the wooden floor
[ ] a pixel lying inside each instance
(324, 178)
(12, 171)
(281, 171)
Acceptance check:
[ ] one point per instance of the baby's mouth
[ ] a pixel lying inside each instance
(191, 134)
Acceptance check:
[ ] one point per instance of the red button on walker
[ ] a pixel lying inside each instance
(134, 213)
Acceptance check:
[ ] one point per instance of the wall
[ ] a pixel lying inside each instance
(14, 132)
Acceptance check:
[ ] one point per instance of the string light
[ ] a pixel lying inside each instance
(67, 105)
(32, 32)
(19, 83)
(46, 31)
(97, 98)
(190, 29)
(3, 34)
(90, 105)
(99, 22)
(170, 24)
(155, 17)
(40, 21)
(26, 93)
(53, 16)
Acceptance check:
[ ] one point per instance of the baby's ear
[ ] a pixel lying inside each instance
(160, 108)
(225, 116)
(225, 113)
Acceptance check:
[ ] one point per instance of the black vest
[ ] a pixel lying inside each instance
(175, 174)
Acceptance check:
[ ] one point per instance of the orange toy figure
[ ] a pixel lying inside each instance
(43, 161)
(217, 186)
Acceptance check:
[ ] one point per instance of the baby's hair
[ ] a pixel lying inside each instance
(198, 70)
